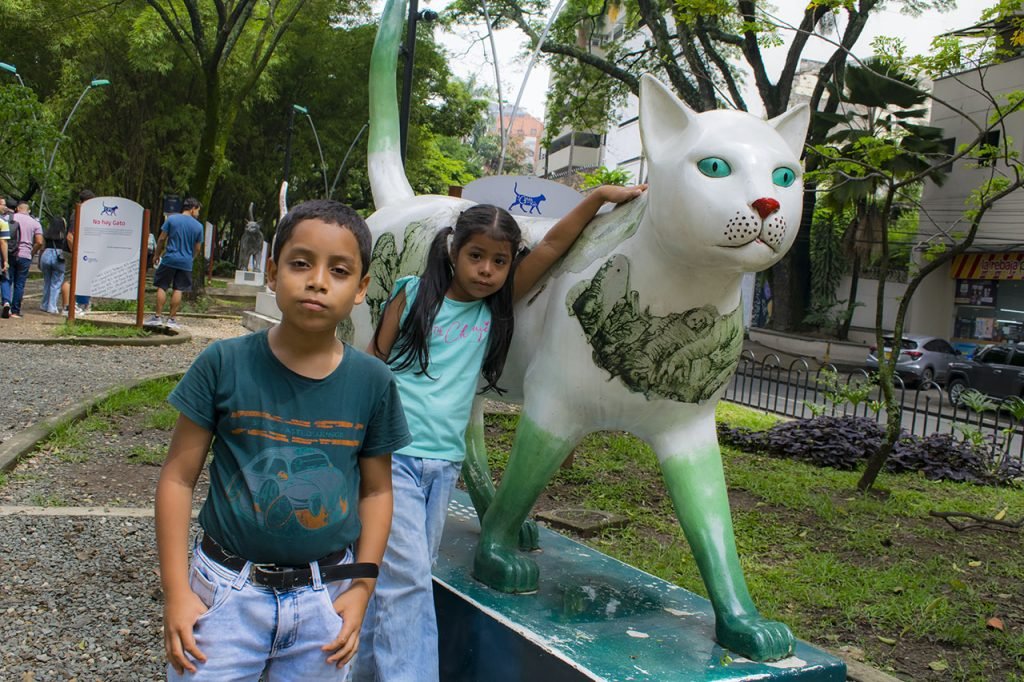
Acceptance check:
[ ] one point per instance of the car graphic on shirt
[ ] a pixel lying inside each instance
(289, 483)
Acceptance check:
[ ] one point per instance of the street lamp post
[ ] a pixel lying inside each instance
(415, 16)
(11, 68)
(323, 165)
(96, 83)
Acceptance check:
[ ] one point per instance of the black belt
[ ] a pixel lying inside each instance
(288, 577)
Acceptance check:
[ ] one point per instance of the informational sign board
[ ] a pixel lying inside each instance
(109, 248)
(524, 195)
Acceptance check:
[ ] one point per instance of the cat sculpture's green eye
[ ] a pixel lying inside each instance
(714, 167)
(783, 177)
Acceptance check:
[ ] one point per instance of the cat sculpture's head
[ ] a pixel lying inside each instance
(726, 187)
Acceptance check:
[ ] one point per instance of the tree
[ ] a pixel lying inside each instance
(998, 165)
(882, 105)
(693, 45)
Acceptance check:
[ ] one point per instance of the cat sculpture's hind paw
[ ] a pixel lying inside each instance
(529, 536)
(504, 569)
(754, 637)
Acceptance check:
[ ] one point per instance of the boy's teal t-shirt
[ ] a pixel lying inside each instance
(438, 406)
(284, 480)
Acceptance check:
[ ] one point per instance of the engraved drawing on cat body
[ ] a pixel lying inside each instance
(525, 203)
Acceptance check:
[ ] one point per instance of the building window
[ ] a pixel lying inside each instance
(948, 149)
(987, 157)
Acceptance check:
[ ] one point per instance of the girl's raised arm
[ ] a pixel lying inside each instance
(562, 235)
(387, 329)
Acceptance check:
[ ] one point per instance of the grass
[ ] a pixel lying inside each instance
(80, 329)
(48, 500)
(839, 567)
(163, 418)
(150, 394)
(4, 478)
(195, 306)
(146, 454)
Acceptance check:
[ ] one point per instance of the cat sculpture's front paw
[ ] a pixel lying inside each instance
(754, 637)
(505, 569)
(529, 536)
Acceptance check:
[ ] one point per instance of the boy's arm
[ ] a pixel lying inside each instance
(185, 458)
(375, 505)
(388, 327)
(561, 236)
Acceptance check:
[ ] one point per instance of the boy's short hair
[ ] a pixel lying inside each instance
(329, 211)
(22, 202)
(189, 204)
(86, 194)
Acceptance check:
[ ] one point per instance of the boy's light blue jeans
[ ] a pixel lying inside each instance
(399, 638)
(251, 630)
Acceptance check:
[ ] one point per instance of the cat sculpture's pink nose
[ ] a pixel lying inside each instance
(765, 207)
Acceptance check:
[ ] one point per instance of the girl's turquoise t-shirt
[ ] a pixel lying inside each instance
(438, 406)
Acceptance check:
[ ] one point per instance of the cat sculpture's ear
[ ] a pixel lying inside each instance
(663, 118)
(792, 126)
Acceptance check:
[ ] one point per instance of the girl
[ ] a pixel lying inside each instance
(438, 333)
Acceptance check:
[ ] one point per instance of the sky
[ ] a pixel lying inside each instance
(471, 56)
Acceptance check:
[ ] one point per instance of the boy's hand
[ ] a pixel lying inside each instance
(180, 616)
(351, 606)
(618, 195)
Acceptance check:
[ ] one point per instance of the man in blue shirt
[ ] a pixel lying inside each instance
(180, 237)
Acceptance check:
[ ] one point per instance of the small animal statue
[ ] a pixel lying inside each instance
(637, 329)
(525, 203)
(251, 245)
(108, 210)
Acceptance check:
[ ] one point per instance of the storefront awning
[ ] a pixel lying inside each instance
(988, 266)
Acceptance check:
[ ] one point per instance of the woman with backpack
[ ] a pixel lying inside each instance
(52, 263)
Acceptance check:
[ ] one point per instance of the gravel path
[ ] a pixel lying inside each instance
(40, 381)
(79, 596)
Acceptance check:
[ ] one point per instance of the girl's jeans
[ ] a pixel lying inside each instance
(53, 277)
(251, 630)
(399, 638)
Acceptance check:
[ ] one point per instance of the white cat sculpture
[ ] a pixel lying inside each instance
(638, 328)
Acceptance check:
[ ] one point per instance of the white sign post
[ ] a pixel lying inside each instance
(110, 250)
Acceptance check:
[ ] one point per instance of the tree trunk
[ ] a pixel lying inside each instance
(851, 302)
(791, 277)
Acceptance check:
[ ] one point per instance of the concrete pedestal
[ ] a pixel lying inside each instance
(594, 618)
(251, 278)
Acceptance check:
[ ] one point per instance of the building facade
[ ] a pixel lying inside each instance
(978, 298)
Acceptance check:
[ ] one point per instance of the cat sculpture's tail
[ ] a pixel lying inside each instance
(387, 173)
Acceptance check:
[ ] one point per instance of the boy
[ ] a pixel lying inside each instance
(181, 237)
(299, 422)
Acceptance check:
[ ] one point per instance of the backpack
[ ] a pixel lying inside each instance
(14, 241)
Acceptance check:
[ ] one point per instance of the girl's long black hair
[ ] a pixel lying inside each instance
(413, 343)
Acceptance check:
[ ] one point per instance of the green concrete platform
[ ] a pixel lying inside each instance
(594, 618)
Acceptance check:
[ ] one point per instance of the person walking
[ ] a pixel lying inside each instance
(30, 243)
(52, 263)
(180, 237)
(5, 272)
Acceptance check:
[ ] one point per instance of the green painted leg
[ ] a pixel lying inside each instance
(476, 473)
(697, 486)
(536, 456)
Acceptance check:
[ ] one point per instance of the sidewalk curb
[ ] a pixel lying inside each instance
(181, 337)
(25, 441)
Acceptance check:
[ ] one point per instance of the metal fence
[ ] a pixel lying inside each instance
(802, 390)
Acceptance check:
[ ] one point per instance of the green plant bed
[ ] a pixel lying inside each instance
(88, 329)
(841, 568)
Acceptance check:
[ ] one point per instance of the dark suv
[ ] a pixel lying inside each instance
(997, 371)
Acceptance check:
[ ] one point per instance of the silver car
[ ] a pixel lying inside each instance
(922, 358)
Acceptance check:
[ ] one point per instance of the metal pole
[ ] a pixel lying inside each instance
(526, 77)
(497, 83)
(288, 144)
(410, 55)
(49, 164)
(323, 164)
(345, 160)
